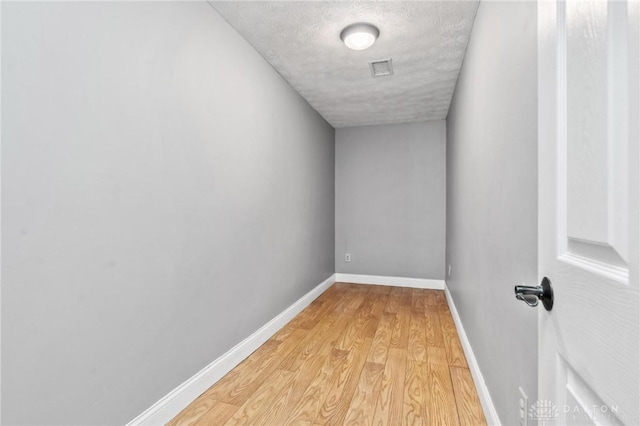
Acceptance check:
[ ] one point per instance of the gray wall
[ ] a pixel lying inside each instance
(492, 198)
(165, 193)
(390, 200)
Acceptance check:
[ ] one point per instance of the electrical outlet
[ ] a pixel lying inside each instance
(449, 271)
(347, 257)
(524, 403)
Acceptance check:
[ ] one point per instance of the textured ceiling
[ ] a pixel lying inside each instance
(301, 40)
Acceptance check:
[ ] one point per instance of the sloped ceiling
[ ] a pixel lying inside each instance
(301, 39)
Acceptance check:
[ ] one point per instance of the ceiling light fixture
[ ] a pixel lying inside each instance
(359, 36)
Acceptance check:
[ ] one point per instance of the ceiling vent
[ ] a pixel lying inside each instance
(381, 67)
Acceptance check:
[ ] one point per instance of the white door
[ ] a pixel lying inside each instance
(589, 230)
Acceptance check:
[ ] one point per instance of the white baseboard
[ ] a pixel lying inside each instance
(391, 281)
(489, 409)
(175, 401)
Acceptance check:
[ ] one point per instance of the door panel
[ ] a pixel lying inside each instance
(596, 166)
(589, 359)
(586, 165)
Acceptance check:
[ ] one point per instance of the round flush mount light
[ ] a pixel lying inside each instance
(359, 36)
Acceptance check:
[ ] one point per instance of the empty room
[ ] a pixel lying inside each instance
(320, 212)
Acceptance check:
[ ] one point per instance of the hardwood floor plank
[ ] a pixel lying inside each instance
(309, 345)
(380, 289)
(307, 368)
(375, 313)
(259, 405)
(251, 379)
(341, 285)
(356, 331)
(264, 354)
(418, 301)
(446, 322)
(395, 301)
(435, 298)
(307, 408)
(437, 355)
(400, 333)
(192, 414)
(381, 300)
(363, 402)
(290, 396)
(441, 298)
(367, 303)
(367, 311)
(433, 329)
(343, 383)
(316, 312)
(355, 286)
(414, 400)
(467, 401)
(453, 347)
(309, 315)
(382, 339)
(328, 305)
(441, 401)
(218, 414)
(351, 300)
(332, 293)
(407, 294)
(389, 405)
(417, 337)
(455, 353)
(284, 332)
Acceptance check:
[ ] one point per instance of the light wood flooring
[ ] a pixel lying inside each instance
(358, 354)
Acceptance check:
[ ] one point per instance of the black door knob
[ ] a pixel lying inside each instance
(531, 295)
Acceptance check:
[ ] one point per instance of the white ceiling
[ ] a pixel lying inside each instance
(301, 40)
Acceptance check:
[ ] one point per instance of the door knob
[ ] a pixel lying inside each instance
(531, 295)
